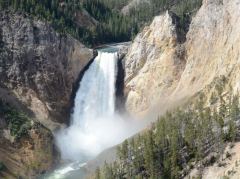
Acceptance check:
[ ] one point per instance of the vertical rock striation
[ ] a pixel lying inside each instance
(38, 70)
(212, 46)
(162, 71)
(39, 66)
(153, 64)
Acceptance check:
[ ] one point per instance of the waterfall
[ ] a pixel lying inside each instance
(96, 95)
(93, 122)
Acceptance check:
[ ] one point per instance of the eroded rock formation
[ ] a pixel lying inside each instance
(38, 70)
(28, 157)
(153, 64)
(162, 71)
(39, 66)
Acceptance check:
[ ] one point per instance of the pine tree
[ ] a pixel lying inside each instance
(97, 173)
(149, 154)
(108, 172)
(234, 108)
(232, 131)
(123, 151)
(222, 112)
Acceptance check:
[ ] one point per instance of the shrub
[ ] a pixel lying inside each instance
(18, 122)
(228, 155)
(2, 166)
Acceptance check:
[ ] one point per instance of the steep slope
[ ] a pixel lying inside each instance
(161, 71)
(39, 66)
(227, 166)
(153, 64)
(83, 19)
(212, 47)
(27, 153)
(39, 69)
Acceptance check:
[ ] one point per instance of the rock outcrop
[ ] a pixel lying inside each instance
(227, 166)
(26, 147)
(212, 47)
(153, 64)
(30, 156)
(162, 71)
(38, 71)
(39, 66)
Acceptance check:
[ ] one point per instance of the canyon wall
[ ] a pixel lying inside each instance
(28, 156)
(39, 66)
(162, 70)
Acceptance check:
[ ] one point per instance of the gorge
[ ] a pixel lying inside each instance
(166, 106)
(95, 125)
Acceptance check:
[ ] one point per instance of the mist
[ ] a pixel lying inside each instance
(94, 124)
(76, 144)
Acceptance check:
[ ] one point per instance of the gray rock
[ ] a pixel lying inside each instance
(40, 66)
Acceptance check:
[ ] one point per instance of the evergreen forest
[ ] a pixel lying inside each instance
(194, 135)
(111, 25)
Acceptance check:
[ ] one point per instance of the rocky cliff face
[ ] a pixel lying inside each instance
(212, 47)
(153, 64)
(28, 157)
(162, 71)
(26, 147)
(38, 70)
(39, 66)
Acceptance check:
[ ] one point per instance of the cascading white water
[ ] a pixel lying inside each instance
(94, 126)
(96, 95)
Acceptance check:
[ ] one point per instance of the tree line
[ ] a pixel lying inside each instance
(178, 139)
(59, 13)
(113, 26)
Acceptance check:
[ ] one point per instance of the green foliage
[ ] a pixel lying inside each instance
(97, 174)
(17, 122)
(2, 166)
(113, 26)
(225, 177)
(177, 139)
(61, 14)
(123, 150)
(185, 9)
